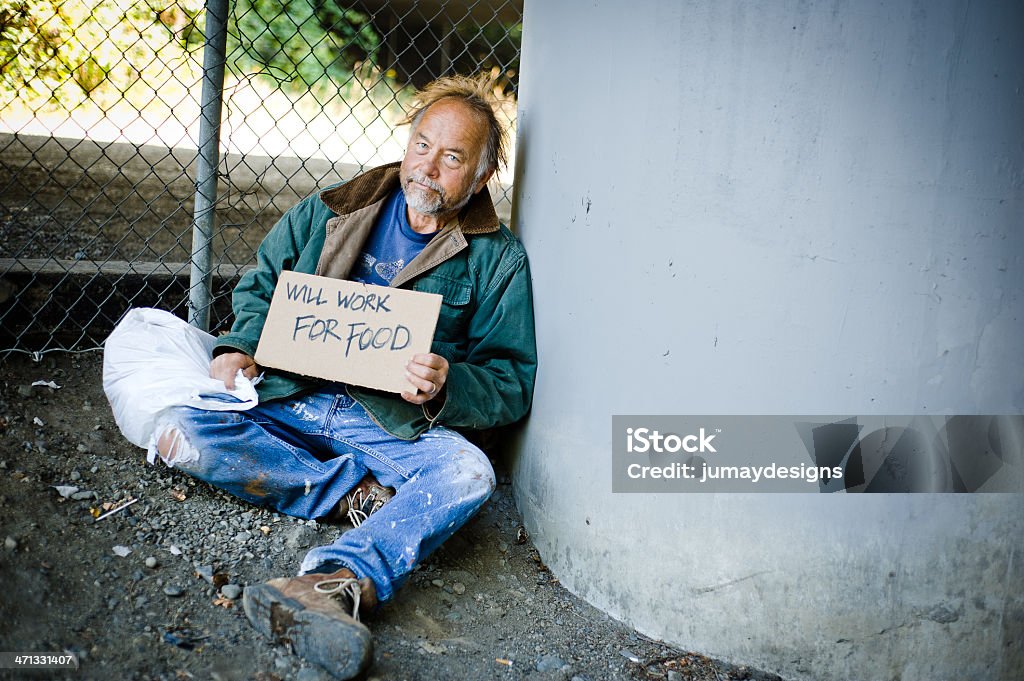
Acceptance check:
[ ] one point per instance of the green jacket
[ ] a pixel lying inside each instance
(485, 328)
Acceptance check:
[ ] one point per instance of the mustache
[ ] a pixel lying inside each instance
(426, 182)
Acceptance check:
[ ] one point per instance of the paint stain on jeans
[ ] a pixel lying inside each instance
(257, 487)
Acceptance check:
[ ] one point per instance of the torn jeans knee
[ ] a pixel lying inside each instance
(170, 443)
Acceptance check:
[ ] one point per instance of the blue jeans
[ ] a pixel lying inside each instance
(301, 456)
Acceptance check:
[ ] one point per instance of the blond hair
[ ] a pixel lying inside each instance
(476, 93)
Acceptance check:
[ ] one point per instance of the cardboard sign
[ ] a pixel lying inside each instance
(346, 331)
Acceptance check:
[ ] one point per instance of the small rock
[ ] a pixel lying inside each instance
(25, 391)
(231, 591)
(673, 675)
(206, 572)
(65, 490)
(308, 674)
(437, 582)
(10, 543)
(82, 448)
(297, 537)
(459, 588)
(82, 496)
(122, 551)
(152, 562)
(549, 663)
(173, 590)
(432, 649)
(76, 476)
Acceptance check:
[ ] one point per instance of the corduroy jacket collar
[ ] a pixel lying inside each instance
(478, 217)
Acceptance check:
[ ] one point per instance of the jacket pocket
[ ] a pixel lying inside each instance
(456, 306)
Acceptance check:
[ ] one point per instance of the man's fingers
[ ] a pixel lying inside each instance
(430, 360)
(224, 367)
(426, 380)
(429, 367)
(420, 371)
(418, 398)
(428, 374)
(223, 372)
(228, 376)
(422, 383)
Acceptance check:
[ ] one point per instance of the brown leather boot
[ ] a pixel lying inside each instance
(364, 499)
(318, 615)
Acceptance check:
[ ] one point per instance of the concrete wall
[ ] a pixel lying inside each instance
(791, 208)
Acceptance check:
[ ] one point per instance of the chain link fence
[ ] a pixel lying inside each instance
(103, 141)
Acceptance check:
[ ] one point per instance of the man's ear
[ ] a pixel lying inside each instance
(483, 181)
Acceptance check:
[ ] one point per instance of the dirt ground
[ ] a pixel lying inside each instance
(151, 592)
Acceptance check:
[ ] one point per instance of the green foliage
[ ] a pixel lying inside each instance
(304, 43)
(138, 51)
(62, 49)
(30, 38)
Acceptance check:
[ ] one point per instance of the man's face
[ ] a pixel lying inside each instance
(438, 173)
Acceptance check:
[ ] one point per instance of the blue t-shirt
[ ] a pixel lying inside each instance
(391, 246)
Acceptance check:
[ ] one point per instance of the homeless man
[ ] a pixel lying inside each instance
(316, 449)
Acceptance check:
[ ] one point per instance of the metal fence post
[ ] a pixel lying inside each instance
(214, 58)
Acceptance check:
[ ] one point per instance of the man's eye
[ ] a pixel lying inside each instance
(453, 158)
(421, 145)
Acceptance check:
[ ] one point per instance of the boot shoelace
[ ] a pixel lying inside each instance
(342, 588)
(357, 502)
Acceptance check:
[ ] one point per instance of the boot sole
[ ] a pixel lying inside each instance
(343, 648)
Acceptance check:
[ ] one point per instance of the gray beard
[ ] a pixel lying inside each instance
(433, 204)
(420, 202)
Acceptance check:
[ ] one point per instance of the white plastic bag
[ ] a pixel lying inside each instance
(153, 361)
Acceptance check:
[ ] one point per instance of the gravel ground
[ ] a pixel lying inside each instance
(152, 591)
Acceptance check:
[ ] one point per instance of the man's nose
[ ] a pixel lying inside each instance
(430, 165)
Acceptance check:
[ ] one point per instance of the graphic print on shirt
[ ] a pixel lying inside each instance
(385, 270)
(364, 266)
(388, 270)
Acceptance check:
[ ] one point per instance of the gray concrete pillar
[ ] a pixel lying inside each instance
(777, 208)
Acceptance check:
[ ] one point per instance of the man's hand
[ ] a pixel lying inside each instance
(428, 373)
(227, 365)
